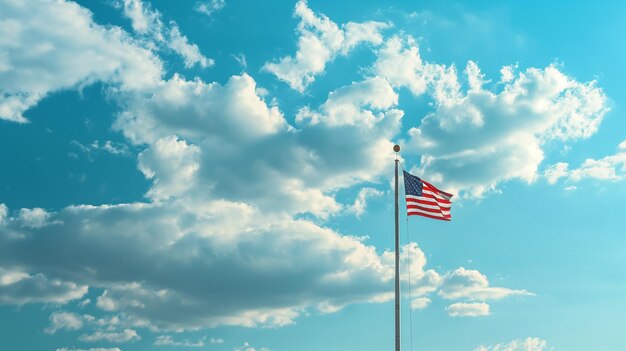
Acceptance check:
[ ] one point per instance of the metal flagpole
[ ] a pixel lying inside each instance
(396, 148)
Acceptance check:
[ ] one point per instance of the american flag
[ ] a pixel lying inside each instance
(423, 199)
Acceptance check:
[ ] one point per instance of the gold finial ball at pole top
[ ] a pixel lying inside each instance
(396, 148)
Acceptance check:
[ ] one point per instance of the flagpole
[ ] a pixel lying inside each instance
(396, 148)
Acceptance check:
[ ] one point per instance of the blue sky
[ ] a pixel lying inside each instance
(216, 175)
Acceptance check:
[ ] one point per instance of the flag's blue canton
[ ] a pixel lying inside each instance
(412, 184)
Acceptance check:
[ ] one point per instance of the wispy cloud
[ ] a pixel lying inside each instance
(608, 168)
(209, 7)
(97, 53)
(528, 344)
(320, 41)
(147, 22)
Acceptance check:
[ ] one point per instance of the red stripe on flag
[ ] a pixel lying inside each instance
(428, 193)
(445, 218)
(433, 210)
(448, 195)
(430, 196)
(427, 202)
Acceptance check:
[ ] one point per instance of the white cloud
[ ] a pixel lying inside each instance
(108, 323)
(18, 288)
(528, 344)
(167, 340)
(125, 335)
(247, 347)
(209, 7)
(190, 52)
(458, 284)
(97, 147)
(216, 340)
(420, 303)
(165, 245)
(555, 172)
(475, 140)
(241, 59)
(354, 104)
(92, 349)
(142, 18)
(399, 62)
(171, 164)
(507, 73)
(147, 22)
(107, 328)
(464, 309)
(196, 110)
(113, 147)
(473, 285)
(203, 240)
(360, 203)
(320, 41)
(413, 260)
(58, 43)
(294, 169)
(34, 217)
(609, 168)
(64, 321)
(4, 213)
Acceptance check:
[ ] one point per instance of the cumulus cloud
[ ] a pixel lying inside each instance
(472, 141)
(18, 288)
(64, 321)
(465, 309)
(400, 63)
(172, 164)
(147, 22)
(360, 103)
(295, 168)
(610, 168)
(420, 303)
(197, 110)
(479, 137)
(320, 41)
(34, 217)
(528, 344)
(58, 43)
(167, 247)
(413, 266)
(169, 265)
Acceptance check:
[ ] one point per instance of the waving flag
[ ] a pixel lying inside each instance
(423, 199)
